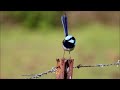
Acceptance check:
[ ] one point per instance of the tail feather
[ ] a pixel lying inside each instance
(65, 24)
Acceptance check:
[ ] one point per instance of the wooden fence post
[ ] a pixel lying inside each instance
(64, 68)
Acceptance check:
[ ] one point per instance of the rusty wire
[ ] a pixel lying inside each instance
(98, 65)
(78, 66)
(41, 74)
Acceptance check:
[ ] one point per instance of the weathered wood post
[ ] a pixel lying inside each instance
(64, 68)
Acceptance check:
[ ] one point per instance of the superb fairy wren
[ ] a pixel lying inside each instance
(69, 41)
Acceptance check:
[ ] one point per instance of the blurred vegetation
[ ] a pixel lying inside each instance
(31, 19)
(23, 52)
(36, 19)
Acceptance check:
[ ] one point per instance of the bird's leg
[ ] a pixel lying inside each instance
(63, 53)
(70, 54)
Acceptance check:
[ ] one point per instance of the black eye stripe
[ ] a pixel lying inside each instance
(72, 38)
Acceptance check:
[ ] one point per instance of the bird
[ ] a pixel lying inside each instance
(69, 41)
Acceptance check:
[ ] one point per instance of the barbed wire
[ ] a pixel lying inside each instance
(78, 66)
(98, 65)
(44, 73)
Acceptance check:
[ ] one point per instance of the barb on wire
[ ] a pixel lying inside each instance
(98, 65)
(41, 74)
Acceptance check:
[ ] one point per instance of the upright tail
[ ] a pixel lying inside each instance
(65, 24)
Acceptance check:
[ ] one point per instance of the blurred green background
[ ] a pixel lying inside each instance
(30, 42)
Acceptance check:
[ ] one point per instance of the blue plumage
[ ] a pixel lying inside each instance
(65, 26)
(69, 41)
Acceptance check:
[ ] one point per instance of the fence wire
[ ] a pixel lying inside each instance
(98, 65)
(78, 66)
(44, 73)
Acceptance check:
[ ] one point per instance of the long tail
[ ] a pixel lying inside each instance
(65, 24)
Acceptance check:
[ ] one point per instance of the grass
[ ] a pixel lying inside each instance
(24, 52)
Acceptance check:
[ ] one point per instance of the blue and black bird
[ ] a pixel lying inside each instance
(69, 41)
